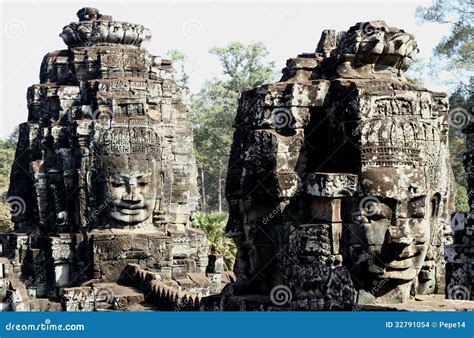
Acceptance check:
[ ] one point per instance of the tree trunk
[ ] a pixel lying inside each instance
(203, 192)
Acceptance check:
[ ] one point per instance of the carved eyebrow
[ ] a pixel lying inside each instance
(420, 191)
(417, 198)
(118, 177)
(124, 177)
(140, 176)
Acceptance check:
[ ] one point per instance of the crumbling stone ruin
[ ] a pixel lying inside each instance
(339, 181)
(104, 182)
(460, 254)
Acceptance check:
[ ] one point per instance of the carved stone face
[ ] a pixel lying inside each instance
(133, 189)
(391, 233)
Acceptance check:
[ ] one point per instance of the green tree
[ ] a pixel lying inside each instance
(455, 52)
(460, 102)
(213, 113)
(213, 224)
(183, 66)
(456, 49)
(461, 199)
(7, 155)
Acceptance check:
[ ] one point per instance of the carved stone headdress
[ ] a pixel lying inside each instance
(128, 139)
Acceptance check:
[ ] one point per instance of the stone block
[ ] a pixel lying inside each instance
(326, 209)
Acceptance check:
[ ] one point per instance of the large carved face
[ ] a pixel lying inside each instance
(133, 188)
(391, 232)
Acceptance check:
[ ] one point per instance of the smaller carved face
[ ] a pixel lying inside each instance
(393, 229)
(132, 186)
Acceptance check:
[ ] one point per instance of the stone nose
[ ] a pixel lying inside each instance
(131, 195)
(401, 211)
(400, 232)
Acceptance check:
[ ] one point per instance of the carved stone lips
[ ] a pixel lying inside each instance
(404, 259)
(406, 274)
(402, 264)
(130, 212)
(130, 209)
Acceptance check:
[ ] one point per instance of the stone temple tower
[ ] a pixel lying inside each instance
(104, 181)
(340, 167)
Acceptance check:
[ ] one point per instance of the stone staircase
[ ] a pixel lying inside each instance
(180, 294)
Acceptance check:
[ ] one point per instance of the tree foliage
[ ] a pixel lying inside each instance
(457, 51)
(213, 112)
(460, 101)
(183, 66)
(7, 155)
(213, 224)
(457, 48)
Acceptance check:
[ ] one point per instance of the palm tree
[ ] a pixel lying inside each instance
(213, 224)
